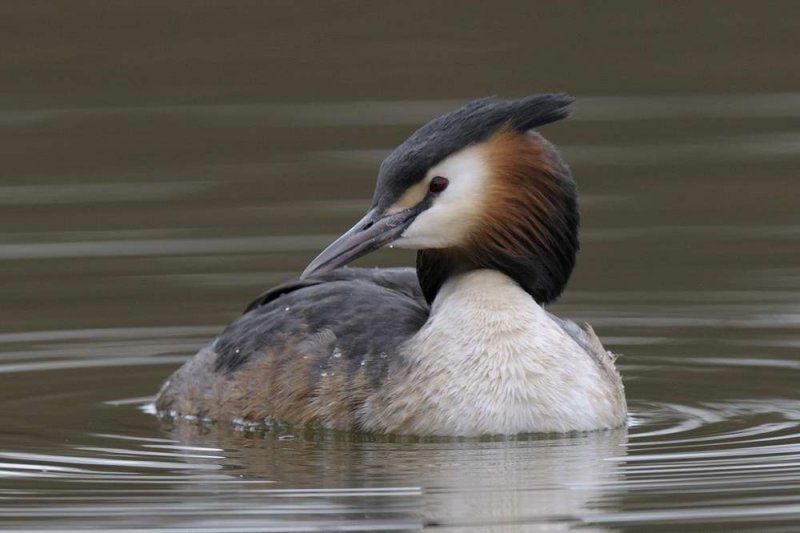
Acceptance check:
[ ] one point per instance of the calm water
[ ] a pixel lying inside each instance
(164, 163)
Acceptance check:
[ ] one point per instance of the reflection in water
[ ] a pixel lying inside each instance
(459, 482)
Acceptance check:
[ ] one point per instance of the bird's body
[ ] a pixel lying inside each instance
(461, 345)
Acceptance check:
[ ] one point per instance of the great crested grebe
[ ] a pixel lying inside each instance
(461, 346)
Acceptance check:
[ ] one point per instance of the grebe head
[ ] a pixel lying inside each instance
(475, 188)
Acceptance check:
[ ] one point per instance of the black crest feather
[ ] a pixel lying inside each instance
(471, 124)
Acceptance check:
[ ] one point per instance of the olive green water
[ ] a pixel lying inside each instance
(163, 162)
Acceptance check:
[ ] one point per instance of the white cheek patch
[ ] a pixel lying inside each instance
(457, 208)
(414, 195)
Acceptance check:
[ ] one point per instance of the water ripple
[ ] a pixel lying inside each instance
(732, 458)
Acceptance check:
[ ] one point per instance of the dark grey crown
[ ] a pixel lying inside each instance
(449, 133)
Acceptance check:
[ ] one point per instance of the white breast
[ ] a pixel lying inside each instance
(490, 360)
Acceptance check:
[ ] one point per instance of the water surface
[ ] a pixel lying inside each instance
(164, 163)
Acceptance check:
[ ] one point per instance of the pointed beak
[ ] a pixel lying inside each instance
(368, 234)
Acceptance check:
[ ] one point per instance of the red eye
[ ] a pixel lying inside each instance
(438, 184)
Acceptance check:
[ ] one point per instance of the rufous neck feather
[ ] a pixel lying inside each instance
(529, 229)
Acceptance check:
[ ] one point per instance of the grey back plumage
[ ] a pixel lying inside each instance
(362, 314)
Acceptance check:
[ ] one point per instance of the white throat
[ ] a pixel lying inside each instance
(491, 360)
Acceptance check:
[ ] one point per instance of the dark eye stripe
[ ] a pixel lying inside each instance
(438, 184)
